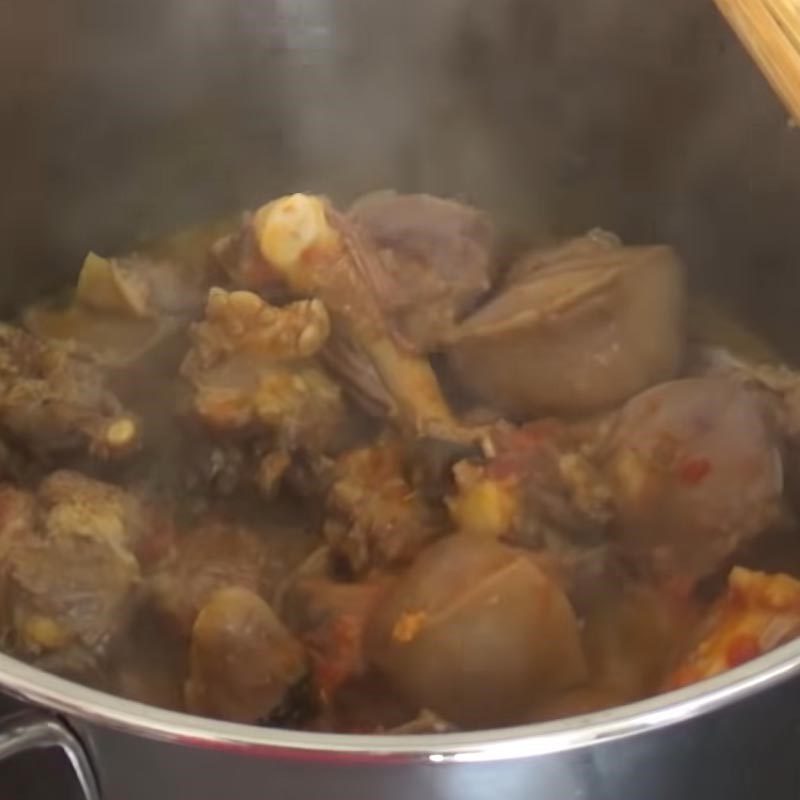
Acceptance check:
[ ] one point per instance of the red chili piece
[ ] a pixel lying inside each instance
(694, 470)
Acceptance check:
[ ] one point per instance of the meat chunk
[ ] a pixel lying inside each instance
(303, 244)
(69, 568)
(438, 254)
(54, 399)
(215, 556)
(374, 517)
(542, 491)
(359, 377)
(72, 504)
(239, 256)
(253, 372)
(779, 387)
(68, 592)
(632, 635)
(243, 324)
(329, 616)
(476, 632)
(577, 328)
(243, 661)
(539, 487)
(696, 472)
(71, 553)
(758, 613)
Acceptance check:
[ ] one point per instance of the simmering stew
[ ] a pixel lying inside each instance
(387, 470)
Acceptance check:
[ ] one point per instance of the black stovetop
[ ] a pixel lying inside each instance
(747, 752)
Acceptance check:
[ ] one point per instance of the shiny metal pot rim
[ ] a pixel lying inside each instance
(89, 705)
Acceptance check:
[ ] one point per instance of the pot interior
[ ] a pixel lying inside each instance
(122, 121)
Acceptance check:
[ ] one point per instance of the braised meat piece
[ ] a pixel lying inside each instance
(239, 256)
(70, 503)
(438, 254)
(757, 613)
(779, 384)
(71, 553)
(70, 564)
(304, 245)
(696, 472)
(215, 554)
(68, 592)
(329, 616)
(359, 377)
(436, 258)
(243, 324)
(54, 400)
(542, 491)
(374, 516)
(253, 372)
(539, 487)
(631, 636)
(243, 661)
(576, 328)
(779, 388)
(476, 632)
(213, 557)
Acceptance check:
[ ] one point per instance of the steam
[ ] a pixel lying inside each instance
(645, 117)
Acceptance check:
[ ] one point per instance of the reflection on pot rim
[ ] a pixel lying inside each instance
(89, 705)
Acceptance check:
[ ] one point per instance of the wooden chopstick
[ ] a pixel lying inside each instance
(770, 30)
(787, 15)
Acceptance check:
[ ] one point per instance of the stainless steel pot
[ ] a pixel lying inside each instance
(122, 119)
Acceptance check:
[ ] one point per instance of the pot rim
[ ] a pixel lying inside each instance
(82, 704)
